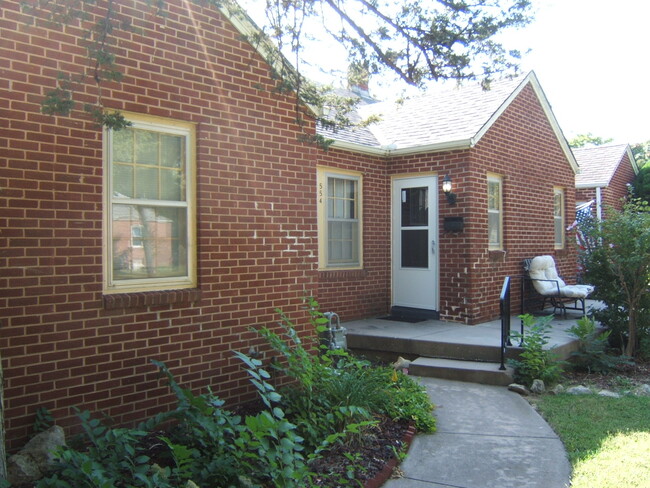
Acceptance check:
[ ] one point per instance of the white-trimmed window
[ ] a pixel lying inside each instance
(495, 212)
(558, 217)
(149, 229)
(339, 219)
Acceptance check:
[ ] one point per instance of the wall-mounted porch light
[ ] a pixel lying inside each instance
(446, 188)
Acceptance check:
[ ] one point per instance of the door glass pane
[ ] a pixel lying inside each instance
(415, 207)
(415, 248)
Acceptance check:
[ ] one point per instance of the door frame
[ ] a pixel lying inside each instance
(430, 180)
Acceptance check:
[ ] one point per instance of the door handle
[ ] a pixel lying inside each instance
(433, 246)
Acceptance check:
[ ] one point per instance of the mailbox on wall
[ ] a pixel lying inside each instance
(453, 224)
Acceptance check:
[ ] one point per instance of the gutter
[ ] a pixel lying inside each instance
(388, 152)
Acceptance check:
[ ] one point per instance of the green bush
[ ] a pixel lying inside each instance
(334, 389)
(592, 354)
(537, 361)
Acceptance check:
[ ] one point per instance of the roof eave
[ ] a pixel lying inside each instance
(585, 186)
(405, 151)
(265, 47)
(633, 161)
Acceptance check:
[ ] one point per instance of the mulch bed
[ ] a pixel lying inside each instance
(368, 458)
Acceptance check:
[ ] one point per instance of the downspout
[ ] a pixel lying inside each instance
(599, 208)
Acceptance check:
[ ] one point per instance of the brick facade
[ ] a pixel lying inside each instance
(64, 343)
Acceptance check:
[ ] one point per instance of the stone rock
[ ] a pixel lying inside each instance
(610, 394)
(558, 389)
(642, 390)
(521, 389)
(401, 363)
(538, 387)
(579, 390)
(33, 461)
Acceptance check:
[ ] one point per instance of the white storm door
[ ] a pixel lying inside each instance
(415, 243)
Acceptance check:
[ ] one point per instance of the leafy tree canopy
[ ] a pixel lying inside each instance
(416, 41)
(582, 140)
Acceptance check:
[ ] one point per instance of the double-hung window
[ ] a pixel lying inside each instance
(339, 216)
(495, 212)
(558, 217)
(149, 232)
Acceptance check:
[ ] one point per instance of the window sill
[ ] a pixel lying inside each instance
(151, 298)
(334, 275)
(497, 255)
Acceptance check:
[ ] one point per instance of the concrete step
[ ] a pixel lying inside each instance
(398, 346)
(469, 371)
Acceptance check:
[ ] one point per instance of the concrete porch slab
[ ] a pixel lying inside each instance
(387, 340)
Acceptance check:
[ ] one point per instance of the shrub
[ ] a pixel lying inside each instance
(536, 360)
(333, 389)
(619, 266)
(592, 354)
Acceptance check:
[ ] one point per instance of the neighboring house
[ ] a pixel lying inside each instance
(172, 239)
(605, 173)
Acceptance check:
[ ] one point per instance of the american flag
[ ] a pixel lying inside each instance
(583, 222)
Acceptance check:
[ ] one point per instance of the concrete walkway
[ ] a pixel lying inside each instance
(488, 437)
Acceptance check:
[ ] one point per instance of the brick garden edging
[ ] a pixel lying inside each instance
(382, 476)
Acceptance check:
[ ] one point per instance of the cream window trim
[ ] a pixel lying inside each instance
(170, 219)
(559, 219)
(495, 212)
(349, 229)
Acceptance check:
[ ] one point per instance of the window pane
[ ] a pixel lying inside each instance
(557, 204)
(146, 147)
(342, 224)
(123, 180)
(494, 229)
(415, 207)
(415, 248)
(559, 232)
(172, 187)
(123, 146)
(146, 183)
(160, 251)
(171, 153)
(343, 243)
(494, 198)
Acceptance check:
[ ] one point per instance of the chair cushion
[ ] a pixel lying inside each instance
(543, 268)
(576, 291)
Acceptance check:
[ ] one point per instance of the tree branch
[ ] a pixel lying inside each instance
(375, 47)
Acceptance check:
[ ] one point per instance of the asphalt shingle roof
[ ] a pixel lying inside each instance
(440, 116)
(598, 164)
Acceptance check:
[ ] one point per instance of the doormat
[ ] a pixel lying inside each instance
(404, 318)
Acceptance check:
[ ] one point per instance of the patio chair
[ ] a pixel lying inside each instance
(549, 286)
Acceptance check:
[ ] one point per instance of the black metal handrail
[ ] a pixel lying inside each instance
(504, 309)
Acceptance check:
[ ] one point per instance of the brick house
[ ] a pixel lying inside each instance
(513, 176)
(605, 173)
(170, 240)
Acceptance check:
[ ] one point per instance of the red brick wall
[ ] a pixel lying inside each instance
(62, 343)
(617, 190)
(522, 147)
(362, 293)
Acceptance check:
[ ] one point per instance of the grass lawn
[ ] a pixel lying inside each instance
(607, 439)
